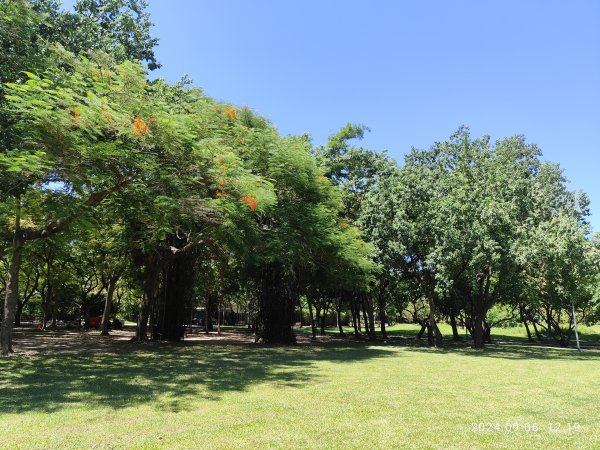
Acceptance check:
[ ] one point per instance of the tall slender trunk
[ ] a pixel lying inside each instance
(357, 308)
(381, 303)
(313, 328)
(355, 322)
(524, 320)
(110, 292)
(150, 281)
(434, 335)
(318, 318)
(365, 317)
(322, 322)
(338, 312)
(535, 328)
(207, 313)
(219, 317)
(371, 316)
(12, 286)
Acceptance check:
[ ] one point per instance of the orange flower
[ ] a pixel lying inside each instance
(344, 224)
(139, 127)
(222, 193)
(229, 112)
(321, 178)
(250, 201)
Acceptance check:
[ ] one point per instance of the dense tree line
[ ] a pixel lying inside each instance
(143, 198)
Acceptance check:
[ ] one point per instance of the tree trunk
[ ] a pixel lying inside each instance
(176, 293)
(524, 320)
(150, 281)
(338, 312)
(18, 313)
(434, 336)
(322, 323)
(478, 331)
(382, 304)
(455, 334)
(110, 292)
(276, 309)
(219, 312)
(371, 316)
(318, 318)
(548, 322)
(313, 328)
(11, 296)
(365, 318)
(535, 328)
(480, 308)
(424, 327)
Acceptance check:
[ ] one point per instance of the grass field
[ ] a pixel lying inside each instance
(334, 395)
(589, 335)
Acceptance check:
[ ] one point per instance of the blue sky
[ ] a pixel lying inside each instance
(411, 71)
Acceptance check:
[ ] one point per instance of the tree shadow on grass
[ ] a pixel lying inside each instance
(169, 375)
(511, 350)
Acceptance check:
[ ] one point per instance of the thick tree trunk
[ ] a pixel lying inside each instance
(276, 307)
(176, 292)
(110, 292)
(478, 332)
(11, 297)
(19, 313)
(480, 308)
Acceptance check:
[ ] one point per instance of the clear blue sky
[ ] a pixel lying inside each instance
(411, 71)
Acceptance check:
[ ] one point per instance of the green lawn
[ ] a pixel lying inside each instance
(587, 334)
(341, 395)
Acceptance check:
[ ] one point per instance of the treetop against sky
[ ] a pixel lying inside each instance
(412, 72)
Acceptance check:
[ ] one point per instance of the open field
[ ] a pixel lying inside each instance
(216, 393)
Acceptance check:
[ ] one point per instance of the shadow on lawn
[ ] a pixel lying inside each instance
(512, 350)
(141, 374)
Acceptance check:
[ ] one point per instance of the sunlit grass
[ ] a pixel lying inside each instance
(330, 396)
(587, 334)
